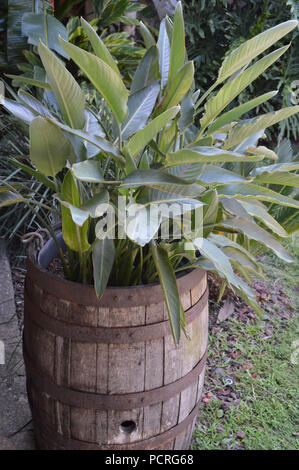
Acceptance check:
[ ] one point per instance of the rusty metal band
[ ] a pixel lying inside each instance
(121, 402)
(104, 335)
(53, 440)
(113, 297)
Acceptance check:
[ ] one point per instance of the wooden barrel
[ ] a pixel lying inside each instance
(106, 374)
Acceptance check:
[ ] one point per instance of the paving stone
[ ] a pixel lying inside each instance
(15, 416)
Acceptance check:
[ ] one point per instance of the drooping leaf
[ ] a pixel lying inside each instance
(170, 289)
(282, 178)
(33, 104)
(255, 232)
(253, 191)
(103, 258)
(90, 171)
(234, 114)
(257, 209)
(19, 110)
(151, 178)
(244, 130)
(29, 81)
(98, 142)
(213, 174)
(49, 148)
(206, 155)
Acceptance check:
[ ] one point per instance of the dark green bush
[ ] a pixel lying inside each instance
(215, 27)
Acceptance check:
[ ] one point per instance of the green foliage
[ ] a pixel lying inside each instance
(215, 27)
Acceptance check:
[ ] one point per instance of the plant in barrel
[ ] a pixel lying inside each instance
(142, 147)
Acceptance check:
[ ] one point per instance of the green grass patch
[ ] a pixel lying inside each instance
(260, 410)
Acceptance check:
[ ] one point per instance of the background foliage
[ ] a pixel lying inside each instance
(215, 27)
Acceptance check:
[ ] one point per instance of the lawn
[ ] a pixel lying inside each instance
(250, 399)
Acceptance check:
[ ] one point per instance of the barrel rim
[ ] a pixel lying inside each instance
(113, 297)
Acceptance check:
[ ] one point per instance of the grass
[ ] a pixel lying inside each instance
(260, 410)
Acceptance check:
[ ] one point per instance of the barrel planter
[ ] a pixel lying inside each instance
(105, 374)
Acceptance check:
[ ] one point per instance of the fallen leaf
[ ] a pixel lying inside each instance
(226, 311)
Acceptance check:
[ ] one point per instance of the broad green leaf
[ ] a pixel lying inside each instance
(75, 236)
(253, 191)
(33, 104)
(178, 87)
(187, 113)
(141, 105)
(171, 204)
(257, 209)
(282, 178)
(223, 241)
(46, 28)
(206, 155)
(103, 256)
(287, 166)
(213, 174)
(98, 142)
(49, 147)
(210, 211)
(138, 141)
(244, 130)
(147, 36)
(147, 71)
(244, 54)
(163, 45)
(151, 178)
(223, 267)
(170, 289)
(78, 215)
(234, 254)
(103, 77)
(177, 48)
(234, 114)
(90, 171)
(94, 205)
(234, 87)
(142, 223)
(234, 207)
(67, 92)
(255, 232)
(93, 127)
(7, 198)
(98, 46)
(19, 110)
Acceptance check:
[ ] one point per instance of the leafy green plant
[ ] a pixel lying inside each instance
(153, 156)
